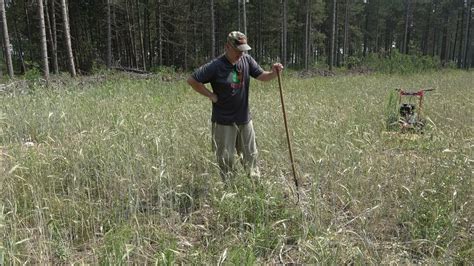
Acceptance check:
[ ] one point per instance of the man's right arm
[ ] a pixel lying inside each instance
(200, 88)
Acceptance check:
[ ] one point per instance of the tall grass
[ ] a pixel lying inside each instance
(391, 111)
(122, 172)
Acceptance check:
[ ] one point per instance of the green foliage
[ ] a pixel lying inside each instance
(430, 216)
(2, 226)
(98, 68)
(167, 257)
(450, 65)
(59, 245)
(242, 256)
(397, 63)
(33, 74)
(116, 246)
(321, 64)
(391, 111)
(353, 61)
(163, 70)
(184, 39)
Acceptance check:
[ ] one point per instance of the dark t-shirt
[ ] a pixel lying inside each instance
(231, 85)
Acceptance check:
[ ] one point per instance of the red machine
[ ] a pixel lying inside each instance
(410, 115)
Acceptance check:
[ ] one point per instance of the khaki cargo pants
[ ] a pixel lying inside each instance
(227, 140)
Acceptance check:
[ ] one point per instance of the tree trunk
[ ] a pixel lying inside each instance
(147, 37)
(404, 46)
(44, 49)
(461, 38)
(435, 36)
(467, 38)
(118, 41)
(259, 32)
(345, 46)
(445, 39)
(54, 52)
(284, 41)
(333, 35)
(1, 59)
(140, 36)
(28, 26)
(456, 35)
(6, 39)
(109, 36)
(133, 62)
(366, 31)
(67, 37)
(307, 35)
(135, 49)
(426, 33)
(244, 10)
(49, 34)
(213, 31)
(159, 33)
(388, 36)
(20, 46)
(336, 39)
(410, 26)
(377, 30)
(238, 12)
(186, 43)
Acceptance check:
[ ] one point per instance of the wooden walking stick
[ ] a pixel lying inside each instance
(295, 179)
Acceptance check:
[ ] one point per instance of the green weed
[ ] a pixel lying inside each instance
(391, 112)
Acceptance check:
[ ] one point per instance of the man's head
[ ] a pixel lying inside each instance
(238, 40)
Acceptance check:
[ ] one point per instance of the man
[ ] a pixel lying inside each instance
(232, 128)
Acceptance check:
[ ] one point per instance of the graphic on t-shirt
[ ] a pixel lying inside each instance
(236, 80)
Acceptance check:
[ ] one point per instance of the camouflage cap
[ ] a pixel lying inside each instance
(238, 40)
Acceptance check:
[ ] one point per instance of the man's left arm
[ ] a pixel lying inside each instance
(269, 75)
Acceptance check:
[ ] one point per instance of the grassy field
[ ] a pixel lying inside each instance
(117, 170)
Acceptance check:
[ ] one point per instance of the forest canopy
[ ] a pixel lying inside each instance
(150, 35)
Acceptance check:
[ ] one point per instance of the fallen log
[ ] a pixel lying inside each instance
(134, 70)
